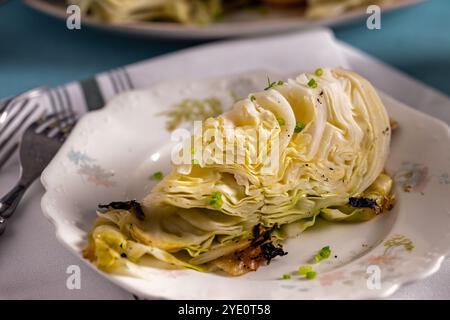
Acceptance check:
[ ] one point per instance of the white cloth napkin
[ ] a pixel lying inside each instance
(33, 264)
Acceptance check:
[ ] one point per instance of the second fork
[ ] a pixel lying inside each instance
(39, 144)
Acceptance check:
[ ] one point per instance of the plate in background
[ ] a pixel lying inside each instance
(237, 25)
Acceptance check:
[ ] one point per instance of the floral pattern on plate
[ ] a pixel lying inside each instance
(93, 172)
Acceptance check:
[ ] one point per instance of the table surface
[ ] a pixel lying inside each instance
(36, 49)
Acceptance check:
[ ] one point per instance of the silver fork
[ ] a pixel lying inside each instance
(40, 142)
(14, 115)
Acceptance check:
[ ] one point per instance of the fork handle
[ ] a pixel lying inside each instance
(10, 201)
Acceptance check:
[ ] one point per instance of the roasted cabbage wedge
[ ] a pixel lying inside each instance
(328, 134)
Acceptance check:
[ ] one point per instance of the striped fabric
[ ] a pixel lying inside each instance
(74, 98)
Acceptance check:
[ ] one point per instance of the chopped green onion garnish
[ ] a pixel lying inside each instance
(286, 276)
(311, 275)
(312, 83)
(252, 98)
(323, 254)
(319, 72)
(281, 121)
(299, 127)
(157, 176)
(271, 84)
(303, 270)
(216, 200)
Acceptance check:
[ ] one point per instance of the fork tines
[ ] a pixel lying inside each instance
(56, 124)
(15, 115)
(14, 126)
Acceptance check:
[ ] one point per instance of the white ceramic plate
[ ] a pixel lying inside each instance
(238, 25)
(112, 152)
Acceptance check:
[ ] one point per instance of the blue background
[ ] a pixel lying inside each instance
(36, 49)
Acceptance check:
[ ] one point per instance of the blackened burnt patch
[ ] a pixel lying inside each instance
(362, 202)
(125, 205)
(270, 251)
(262, 237)
(262, 234)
